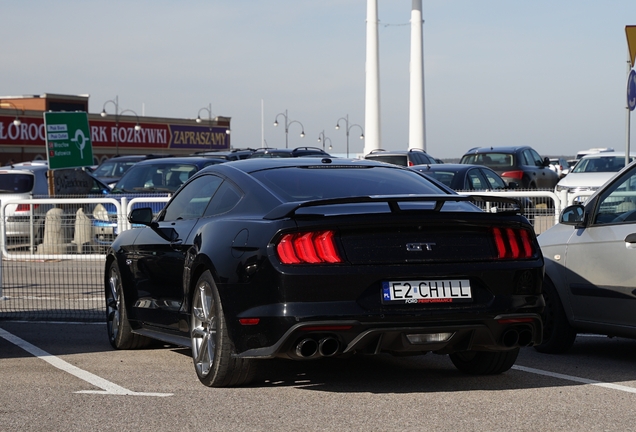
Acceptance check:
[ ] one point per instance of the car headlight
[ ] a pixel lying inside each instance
(100, 213)
(562, 188)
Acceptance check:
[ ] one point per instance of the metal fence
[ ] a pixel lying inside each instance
(52, 265)
(57, 273)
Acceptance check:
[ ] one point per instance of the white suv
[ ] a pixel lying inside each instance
(27, 180)
(23, 181)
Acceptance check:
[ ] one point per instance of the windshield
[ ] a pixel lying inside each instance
(307, 183)
(113, 168)
(601, 164)
(155, 178)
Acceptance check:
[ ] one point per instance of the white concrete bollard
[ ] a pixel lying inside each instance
(53, 233)
(83, 230)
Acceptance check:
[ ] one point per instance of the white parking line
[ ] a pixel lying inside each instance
(107, 387)
(575, 379)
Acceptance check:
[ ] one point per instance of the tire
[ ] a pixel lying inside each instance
(558, 334)
(120, 333)
(211, 346)
(484, 362)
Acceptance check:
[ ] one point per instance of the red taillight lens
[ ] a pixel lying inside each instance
(517, 175)
(25, 207)
(512, 243)
(308, 248)
(249, 321)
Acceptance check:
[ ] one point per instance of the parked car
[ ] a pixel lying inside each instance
(593, 150)
(285, 153)
(461, 177)
(589, 278)
(592, 171)
(303, 258)
(464, 177)
(405, 158)
(111, 170)
(235, 154)
(568, 168)
(519, 164)
(27, 180)
(559, 165)
(150, 178)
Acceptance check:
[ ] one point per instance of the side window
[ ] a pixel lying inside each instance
(224, 200)
(494, 181)
(534, 158)
(192, 200)
(475, 180)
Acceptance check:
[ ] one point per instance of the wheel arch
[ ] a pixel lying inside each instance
(555, 276)
(200, 265)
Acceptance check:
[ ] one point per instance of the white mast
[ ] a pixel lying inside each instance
(417, 119)
(372, 91)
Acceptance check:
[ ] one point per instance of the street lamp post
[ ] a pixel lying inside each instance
(118, 113)
(17, 121)
(287, 124)
(199, 120)
(322, 138)
(348, 128)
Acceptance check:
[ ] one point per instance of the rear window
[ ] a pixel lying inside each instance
(309, 183)
(392, 159)
(491, 160)
(16, 183)
(445, 177)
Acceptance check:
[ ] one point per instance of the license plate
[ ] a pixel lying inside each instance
(426, 291)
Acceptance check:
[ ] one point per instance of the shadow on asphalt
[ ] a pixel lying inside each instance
(595, 358)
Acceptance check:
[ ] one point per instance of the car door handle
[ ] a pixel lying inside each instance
(631, 238)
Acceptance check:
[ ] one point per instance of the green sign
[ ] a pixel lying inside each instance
(68, 140)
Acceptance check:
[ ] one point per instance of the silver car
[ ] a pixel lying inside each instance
(590, 282)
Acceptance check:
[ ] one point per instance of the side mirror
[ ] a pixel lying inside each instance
(572, 215)
(141, 216)
(513, 185)
(546, 161)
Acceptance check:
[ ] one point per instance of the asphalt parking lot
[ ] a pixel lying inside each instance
(66, 377)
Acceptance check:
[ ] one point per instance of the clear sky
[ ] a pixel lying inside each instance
(550, 74)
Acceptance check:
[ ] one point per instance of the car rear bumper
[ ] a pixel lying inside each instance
(316, 339)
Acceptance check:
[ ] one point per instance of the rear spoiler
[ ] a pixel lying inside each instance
(289, 209)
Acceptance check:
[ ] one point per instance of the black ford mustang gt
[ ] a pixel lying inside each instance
(305, 258)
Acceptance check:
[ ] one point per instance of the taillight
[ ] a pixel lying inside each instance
(25, 207)
(249, 321)
(518, 175)
(312, 247)
(512, 243)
